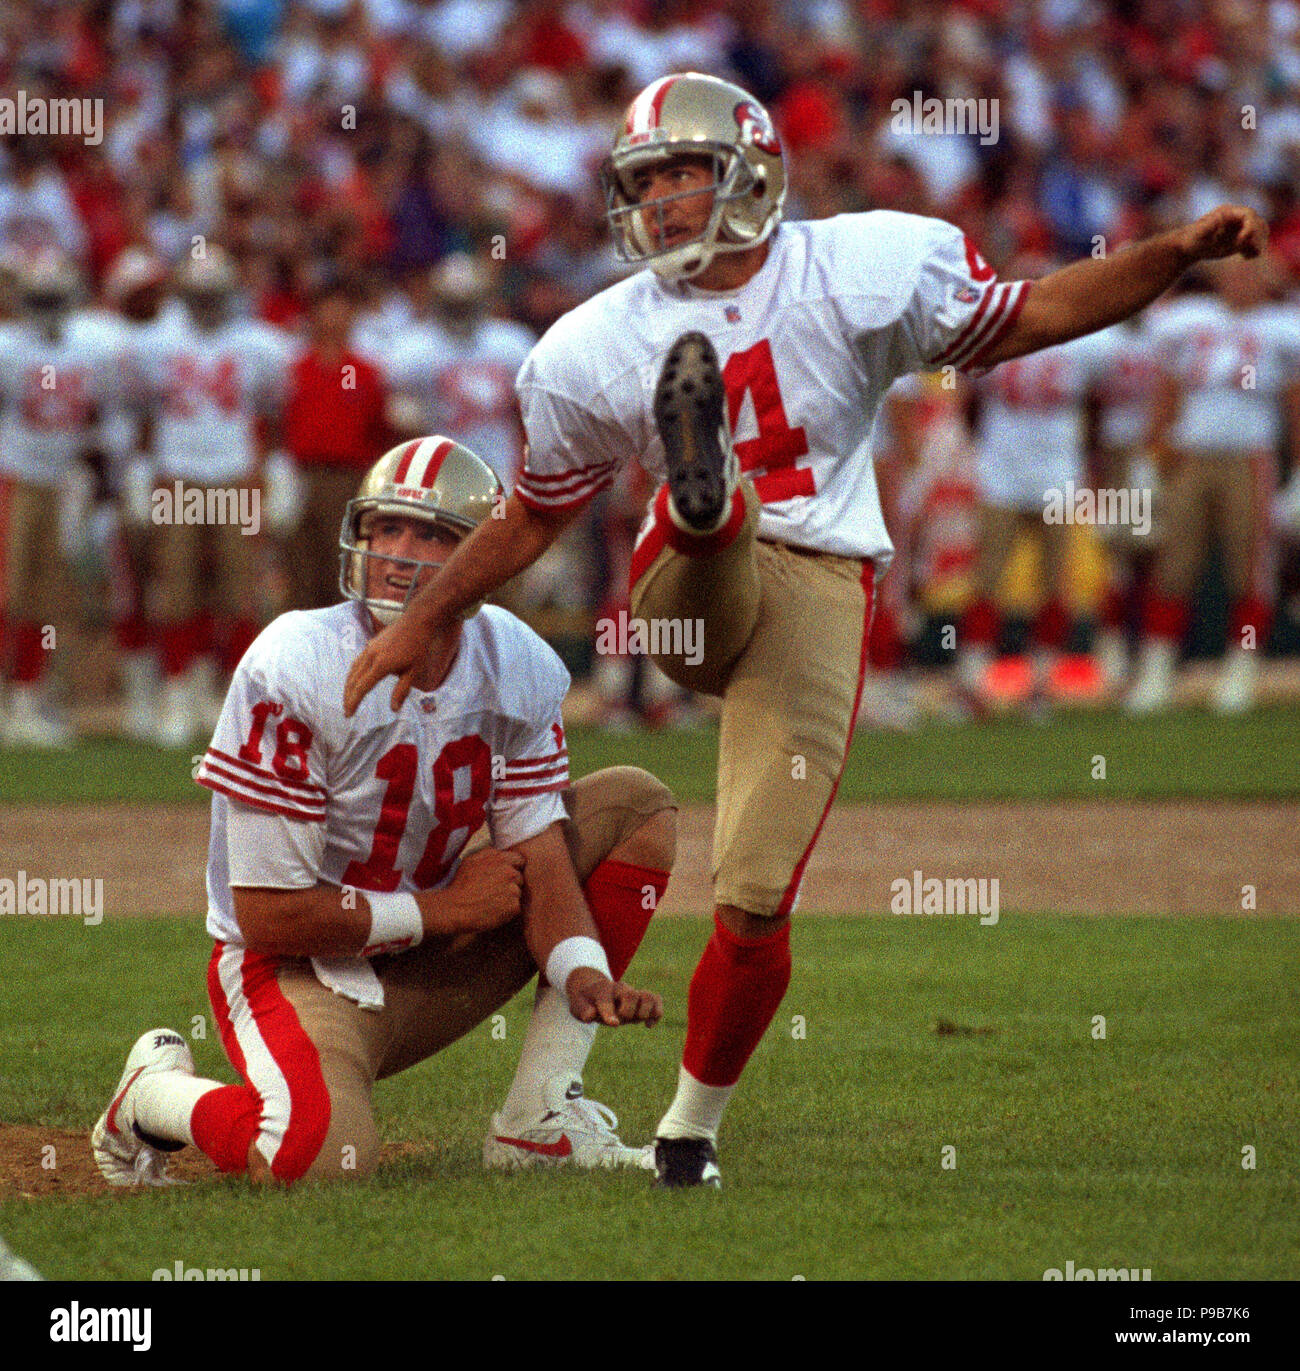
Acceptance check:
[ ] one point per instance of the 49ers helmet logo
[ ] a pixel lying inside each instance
(756, 128)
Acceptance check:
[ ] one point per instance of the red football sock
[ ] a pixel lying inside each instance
(28, 664)
(618, 894)
(1114, 612)
(130, 633)
(1052, 626)
(178, 645)
(699, 544)
(1165, 616)
(224, 1124)
(734, 993)
(885, 652)
(980, 624)
(1253, 612)
(237, 637)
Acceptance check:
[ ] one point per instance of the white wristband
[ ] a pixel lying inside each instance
(395, 923)
(569, 954)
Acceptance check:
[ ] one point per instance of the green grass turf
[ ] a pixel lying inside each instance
(1187, 754)
(1125, 1151)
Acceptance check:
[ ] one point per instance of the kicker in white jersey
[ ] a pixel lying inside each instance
(840, 309)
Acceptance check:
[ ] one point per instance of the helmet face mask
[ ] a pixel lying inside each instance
(432, 479)
(695, 116)
(362, 556)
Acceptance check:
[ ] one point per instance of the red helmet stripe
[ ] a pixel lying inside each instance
(644, 112)
(404, 465)
(657, 104)
(434, 465)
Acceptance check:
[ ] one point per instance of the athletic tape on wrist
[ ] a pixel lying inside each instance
(395, 923)
(569, 954)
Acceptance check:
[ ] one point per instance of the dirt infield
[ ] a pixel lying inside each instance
(1094, 857)
(1084, 858)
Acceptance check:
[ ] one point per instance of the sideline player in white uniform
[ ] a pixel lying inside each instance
(354, 935)
(1125, 398)
(206, 380)
(58, 380)
(135, 298)
(455, 371)
(772, 544)
(1229, 361)
(1029, 445)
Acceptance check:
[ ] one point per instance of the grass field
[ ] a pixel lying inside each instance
(1189, 754)
(920, 1034)
(916, 1034)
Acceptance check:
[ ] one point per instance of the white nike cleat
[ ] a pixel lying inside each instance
(1234, 690)
(29, 723)
(139, 677)
(1112, 657)
(122, 1154)
(177, 714)
(1153, 690)
(571, 1130)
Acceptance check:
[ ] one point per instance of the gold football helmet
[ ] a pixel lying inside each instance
(694, 114)
(432, 478)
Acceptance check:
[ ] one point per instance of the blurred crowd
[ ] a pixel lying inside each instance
(407, 188)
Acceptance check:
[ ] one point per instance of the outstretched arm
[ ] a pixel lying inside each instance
(496, 550)
(1097, 292)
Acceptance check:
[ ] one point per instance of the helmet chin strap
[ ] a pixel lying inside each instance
(675, 266)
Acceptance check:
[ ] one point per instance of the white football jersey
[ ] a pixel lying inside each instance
(1128, 388)
(809, 345)
(206, 389)
(381, 801)
(1231, 367)
(466, 385)
(50, 396)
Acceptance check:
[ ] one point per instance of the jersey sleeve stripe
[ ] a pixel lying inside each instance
(545, 757)
(999, 329)
(313, 790)
(257, 802)
(545, 774)
(313, 808)
(974, 325)
(543, 478)
(521, 792)
(538, 763)
(543, 503)
(993, 326)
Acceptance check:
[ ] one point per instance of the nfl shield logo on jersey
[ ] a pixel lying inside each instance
(732, 313)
